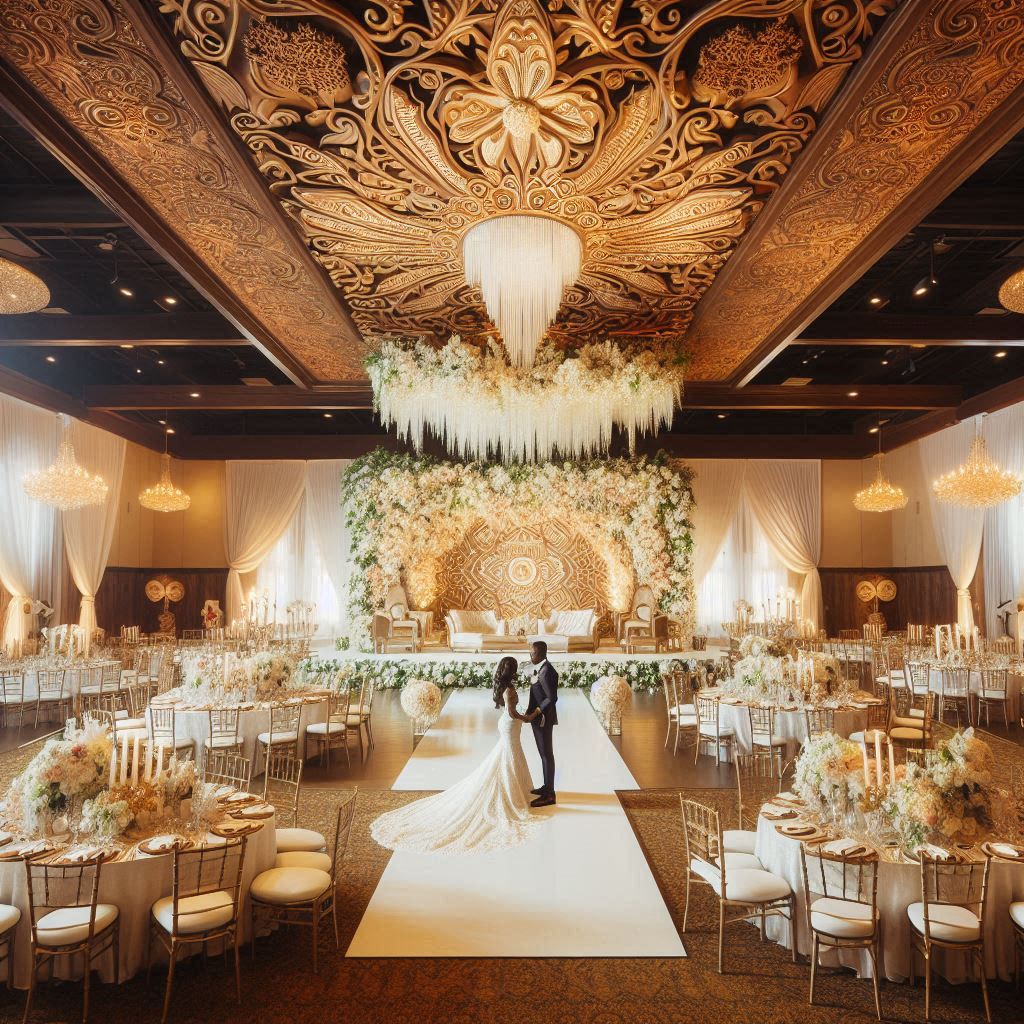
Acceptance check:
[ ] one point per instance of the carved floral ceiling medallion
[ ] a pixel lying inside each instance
(656, 129)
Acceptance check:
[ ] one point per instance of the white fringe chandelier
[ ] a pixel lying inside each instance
(522, 265)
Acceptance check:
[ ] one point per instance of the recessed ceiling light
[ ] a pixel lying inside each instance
(169, 430)
(170, 300)
(852, 394)
(193, 394)
(127, 346)
(137, 370)
(163, 423)
(875, 300)
(328, 415)
(127, 293)
(872, 430)
(1001, 354)
(722, 415)
(159, 362)
(51, 359)
(885, 362)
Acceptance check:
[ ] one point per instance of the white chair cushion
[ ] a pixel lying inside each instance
(1016, 914)
(739, 841)
(132, 733)
(279, 737)
(901, 732)
(289, 885)
(302, 859)
(201, 913)
(290, 840)
(128, 723)
(70, 925)
(992, 694)
(222, 742)
(10, 916)
(845, 919)
(762, 739)
(683, 709)
(321, 728)
(744, 885)
(946, 923)
(708, 729)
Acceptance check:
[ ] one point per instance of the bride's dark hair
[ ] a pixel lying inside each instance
(503, 676)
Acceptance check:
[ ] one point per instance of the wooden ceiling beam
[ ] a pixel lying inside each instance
(40, 330)
(890, 330)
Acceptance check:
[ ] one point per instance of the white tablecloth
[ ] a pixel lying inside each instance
(74, 679)
(789, 725)
(1013, 686)
(899, 885)
(133, 886)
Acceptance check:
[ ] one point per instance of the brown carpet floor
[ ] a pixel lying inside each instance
(761, 984)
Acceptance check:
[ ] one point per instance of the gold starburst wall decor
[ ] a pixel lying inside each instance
(655, 131)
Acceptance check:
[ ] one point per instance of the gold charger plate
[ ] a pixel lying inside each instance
(236, 828)
(798, 830)
(24, 849)
(990, 848)
(71, 858)
(151, 849)
(254, 813)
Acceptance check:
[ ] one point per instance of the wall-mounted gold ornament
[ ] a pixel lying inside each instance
(886, 590)
(865, 591)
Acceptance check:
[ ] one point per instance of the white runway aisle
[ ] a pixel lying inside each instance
(581, 888)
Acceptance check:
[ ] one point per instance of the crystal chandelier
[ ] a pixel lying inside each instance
(522, 264)
(65, 485)
(20, 290)
(164, 496)
(1011, 292)
(881, 496)
(979, 482)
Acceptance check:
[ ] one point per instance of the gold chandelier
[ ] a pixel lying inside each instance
(979, 482)
(164, 496)
(65, 484)
(881, 496)
(1011, 292)
(20, 290)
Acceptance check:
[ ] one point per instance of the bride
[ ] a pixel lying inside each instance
(487, 810)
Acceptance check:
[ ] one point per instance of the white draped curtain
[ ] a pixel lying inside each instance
(261, 499)
(785, 496)
(31, 556)
(958, 530)
(330, 531)
(717, 485)
(89, 532)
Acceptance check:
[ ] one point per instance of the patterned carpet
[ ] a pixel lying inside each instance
(761, 984)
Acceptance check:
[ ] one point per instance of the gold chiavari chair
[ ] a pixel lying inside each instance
(738, 884)
(709, 728)
(679, 715)
(334, 730)
(841, 895)
(907, 730)
(300, 890)
(994, 689)
(955, 693)
(950, 915)
(282, 786)
(361, 716)
(283, 728)
(67, 920)
(818, 721)
(10, 918)
(223, 731)
(227, 768)
(163, 732)
(918, 684)
(762, 734)
(50, 696)
(876, 721)
(203, 906)
(755, 785)
(12, 691)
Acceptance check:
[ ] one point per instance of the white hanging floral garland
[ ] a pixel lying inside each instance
(567, 402)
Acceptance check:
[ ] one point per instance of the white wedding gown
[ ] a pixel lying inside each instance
(487, 810)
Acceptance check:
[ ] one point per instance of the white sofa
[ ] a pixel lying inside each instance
(476, 631)
(562, 631)
(573, 630)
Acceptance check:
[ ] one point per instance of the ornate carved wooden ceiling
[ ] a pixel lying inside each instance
(657, 129)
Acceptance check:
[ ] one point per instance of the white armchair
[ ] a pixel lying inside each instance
(572, 630)
(471, 630)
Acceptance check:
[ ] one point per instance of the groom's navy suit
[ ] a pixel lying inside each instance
(544, 695)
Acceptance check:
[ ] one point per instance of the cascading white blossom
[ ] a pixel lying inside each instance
(482, 407)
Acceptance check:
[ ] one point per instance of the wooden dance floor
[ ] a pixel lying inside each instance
(580, 888)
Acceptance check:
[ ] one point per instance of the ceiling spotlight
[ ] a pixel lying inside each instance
(169, 430)
(51, 359)
(852, 394)
(159, 362)
(722, 415)
(328, 415)
(885, 362)
(193, 394)
(1001, 354)
(137, 370)
(878, 301)
(170, 300)
(923, 287)
(872, 430)
(126, 346)
(127, 293)
(109, 243)
(928, 282)
(163, 423)
(941, 246)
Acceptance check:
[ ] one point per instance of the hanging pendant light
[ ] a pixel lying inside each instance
(979, 482)
(65, 484)
(1011, 292)
(20, 290)
(881, 496)
(164, 496)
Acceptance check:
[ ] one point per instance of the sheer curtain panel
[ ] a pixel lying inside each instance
(717, 484)
(29, 558)
(958, 530)
(327, 519)
(261, 498)
(89, 532)
(785, 496)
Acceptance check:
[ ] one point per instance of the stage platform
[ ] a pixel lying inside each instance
(611, 655)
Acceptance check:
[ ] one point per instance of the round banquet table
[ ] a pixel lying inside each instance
(133, 885)
(193, 724)
(1014, 682)
(790, 725)
(899, 885)
(73, 677)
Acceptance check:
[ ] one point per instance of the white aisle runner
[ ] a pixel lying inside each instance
(580, 887)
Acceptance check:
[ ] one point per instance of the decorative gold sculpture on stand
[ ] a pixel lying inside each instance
(165, 589)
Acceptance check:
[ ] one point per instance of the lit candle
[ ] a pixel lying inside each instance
(892, 765)
(938, 643)
(135, 762)
(124, 760)
(113, 766)
(878, 757)
(867, 771)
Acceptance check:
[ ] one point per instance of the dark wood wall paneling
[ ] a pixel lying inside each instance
(122, 600)
(924, 594)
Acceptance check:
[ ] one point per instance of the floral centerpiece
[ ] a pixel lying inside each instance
(951, 798)
(271, 672)
(829, 773)
(609, 695)
(767, 671)
(213, 678)
(421, 701)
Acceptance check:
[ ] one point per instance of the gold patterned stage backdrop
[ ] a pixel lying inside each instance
(529, 571)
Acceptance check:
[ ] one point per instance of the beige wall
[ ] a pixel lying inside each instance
(913, 536)
(851, 539)
(193, 539)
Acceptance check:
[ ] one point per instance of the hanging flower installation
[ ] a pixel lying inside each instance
(405, 512)
(568, 402)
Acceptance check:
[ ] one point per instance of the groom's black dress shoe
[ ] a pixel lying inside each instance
(538, 792)
(542, 801)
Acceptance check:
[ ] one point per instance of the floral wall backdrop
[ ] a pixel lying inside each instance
(406, 512)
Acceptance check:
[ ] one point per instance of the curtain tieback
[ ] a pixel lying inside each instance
(88, 599)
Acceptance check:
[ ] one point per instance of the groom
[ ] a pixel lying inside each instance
(541, 714)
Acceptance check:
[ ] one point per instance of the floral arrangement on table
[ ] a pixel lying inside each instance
(404, 512)
(394, 673)
(421, 701)
(473, 398)
(949, 799)
(610, 695)
(212, 678)
(766, 671)
(829, 772)
(71, 768)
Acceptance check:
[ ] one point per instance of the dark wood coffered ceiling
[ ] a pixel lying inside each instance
(234, 333)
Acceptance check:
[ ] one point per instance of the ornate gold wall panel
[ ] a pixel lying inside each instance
(657, 129)
(88, 62)
(962, 61)
(523, 571)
